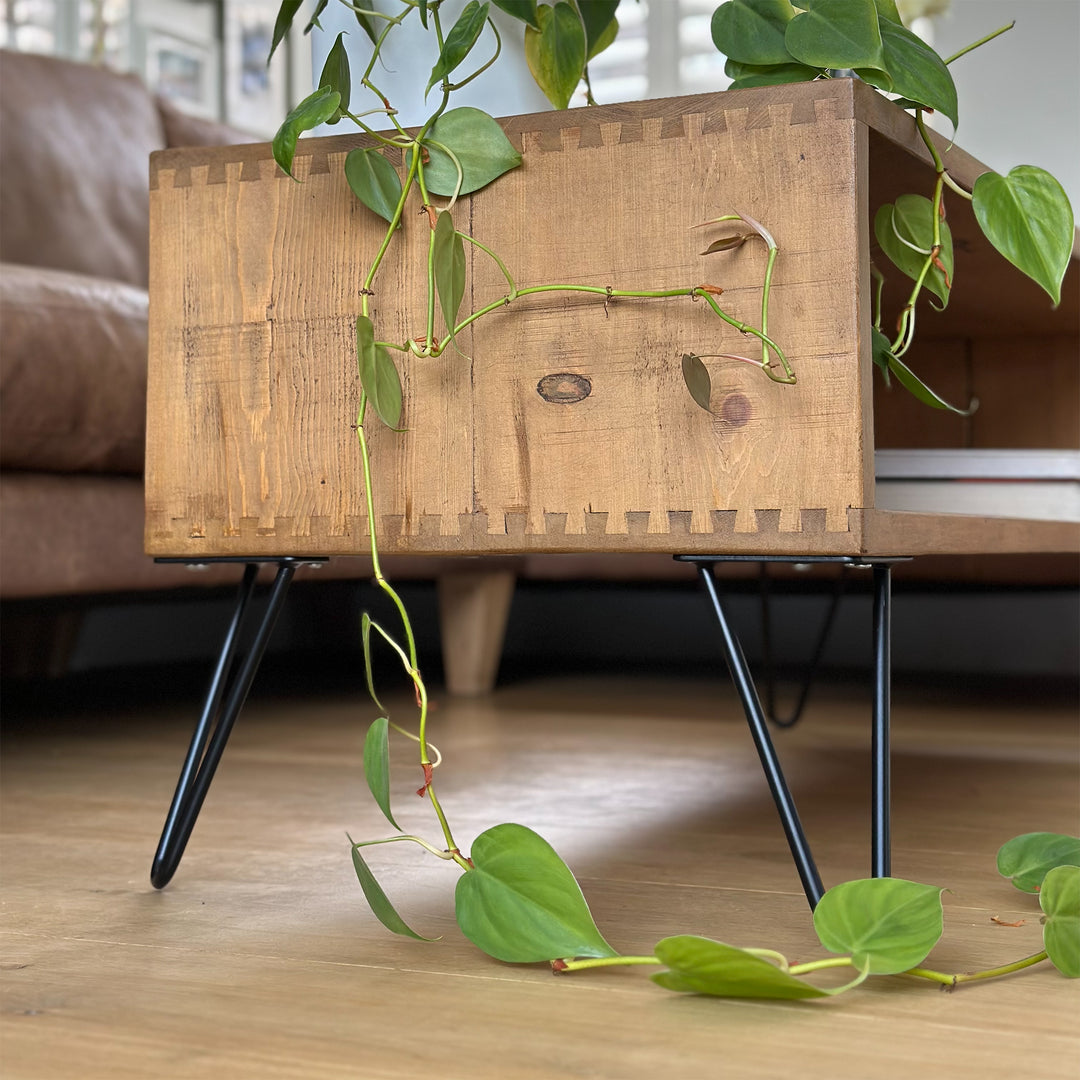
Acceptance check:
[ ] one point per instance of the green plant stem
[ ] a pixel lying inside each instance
(457, 165)
(501, 265)
(606, 961)
(437, 23)
(906, 330)
(646, 294)
(765, 303)
(746, 328)
(413, 667)
(982, 41)
(924, 131)
(430, 289)
(391, 22)
(395, 221)
(954, 186)
(480, 71)
(879, 288)
(384, 111)
(778, 958)
(416, 738)
(393, 19)
(820, 965)
(365, 457)
(447, 855)
(589, 99)
(990, 973)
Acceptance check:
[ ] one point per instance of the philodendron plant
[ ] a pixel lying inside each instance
(519, 902)
(516, 899)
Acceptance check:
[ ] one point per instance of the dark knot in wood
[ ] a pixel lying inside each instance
(736, 410)
(564, 388)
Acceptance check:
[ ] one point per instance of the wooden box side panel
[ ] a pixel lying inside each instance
(255, 288)
(649, 452)
(253, 392)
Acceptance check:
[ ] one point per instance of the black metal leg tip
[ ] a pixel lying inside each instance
(161, 875)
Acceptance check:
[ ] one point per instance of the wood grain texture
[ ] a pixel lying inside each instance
(261, 962)
(255, 286)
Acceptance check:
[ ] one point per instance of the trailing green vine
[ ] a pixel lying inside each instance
(516, 899)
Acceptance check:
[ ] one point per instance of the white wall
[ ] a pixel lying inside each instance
(1019, 94)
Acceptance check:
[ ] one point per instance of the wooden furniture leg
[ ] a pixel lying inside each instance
(473, 610)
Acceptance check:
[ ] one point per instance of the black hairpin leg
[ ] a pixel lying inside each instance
(774, 774)
(817, 653)
(880, 841)
(228, 690)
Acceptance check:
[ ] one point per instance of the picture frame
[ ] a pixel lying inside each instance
(257, 94)
(183, 71)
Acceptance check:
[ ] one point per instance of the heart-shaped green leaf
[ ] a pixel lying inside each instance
(449, 260)
(772, 73)
(556, 52)
(286, 14)
(696, 376)
(913, 224)
(336, 75)
(836, 34)
(480, 145)
(520, 903)
(378, 901)
(916, 71)
(459, 42)
(775, 76)
(525, 10)
(1027, 217)
(1026, 860)
(905, 232)
(752, 31)
(374, 181)
(378, 375)
(377, 765)
(598, 18)
(1060, 899)
(888, 925)
(314, 110)
(698, 965)
(918, 389)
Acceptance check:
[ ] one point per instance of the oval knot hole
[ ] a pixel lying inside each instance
(564, 389)
(736, 409)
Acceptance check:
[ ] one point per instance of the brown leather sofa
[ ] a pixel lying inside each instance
(74, 144)
(74, 147)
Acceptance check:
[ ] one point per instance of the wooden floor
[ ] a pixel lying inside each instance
(261, 959)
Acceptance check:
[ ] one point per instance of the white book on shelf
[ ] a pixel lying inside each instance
(1035, 484)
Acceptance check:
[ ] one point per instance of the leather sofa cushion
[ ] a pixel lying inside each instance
(181, 129)
(72, 372)
(63, 535)
(75, 142)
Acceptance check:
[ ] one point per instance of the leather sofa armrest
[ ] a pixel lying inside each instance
(182, 129)
(72, 372)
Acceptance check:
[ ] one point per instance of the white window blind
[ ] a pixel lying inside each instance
(664, 48)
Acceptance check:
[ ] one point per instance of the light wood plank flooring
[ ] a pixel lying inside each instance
(261, 959)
